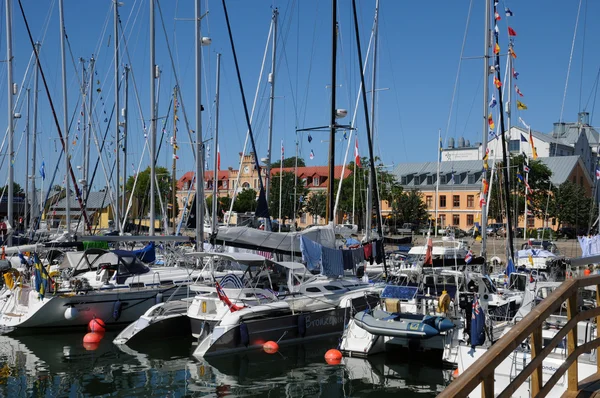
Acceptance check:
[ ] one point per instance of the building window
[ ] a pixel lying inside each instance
(316, 181)
(255, 183)
(403, 180)
(456, 219)
(456, 201)
(429, 201)
(514, 146)
(442, 179)
(304, 181)
(246, 185)
(224, 184)
(581, 181)
(470, 220)
(471, 179)
(442, 222)
(470, 201)
(530, 222)
(442, 200)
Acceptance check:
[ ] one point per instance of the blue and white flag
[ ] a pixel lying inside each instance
(493, 101)
(469, 257)
(43, 170)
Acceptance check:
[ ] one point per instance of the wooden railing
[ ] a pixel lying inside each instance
(483, 370)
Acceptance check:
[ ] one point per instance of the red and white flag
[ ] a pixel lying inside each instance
(356, 155)
(218, 159)
(282, 151)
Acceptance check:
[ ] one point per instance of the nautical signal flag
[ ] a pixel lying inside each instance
(521, 106)
(469, 257)
(175, 157)
(312, 155)
(356, 155)
(518, 91)
(493, 102)
(309, 137)
(497, 49)
(523, 139)
(508, 12)
(533, 151)
(485, 158)
(526, 169)
(497, 16)
(512, 52)
(282, 151)
(497, 82)
(511, 31)
(486, 186)
(515, 74)
(218, 159)
(597, 172)
(491, 122)
(43, 171)
(482, 200)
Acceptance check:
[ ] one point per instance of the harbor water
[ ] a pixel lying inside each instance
(58, 365)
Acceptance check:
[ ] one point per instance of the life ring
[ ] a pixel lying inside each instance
(496, 260)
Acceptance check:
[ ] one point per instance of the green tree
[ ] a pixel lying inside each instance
(316, 205)
(141, 192)
(538, 180)
(17, 190)
(223, 204)
(286, 181)
(408, 207)
(571, 206)
(245, 201)
(288, 162)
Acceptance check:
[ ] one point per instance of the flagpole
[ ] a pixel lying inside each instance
(354, 193)
(437, 181)
(280, 184)
(525, 215)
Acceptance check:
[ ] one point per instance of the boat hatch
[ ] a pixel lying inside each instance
(399, 292)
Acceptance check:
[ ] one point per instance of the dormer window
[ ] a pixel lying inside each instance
(403, 180)
(316, 181)
(471, 178)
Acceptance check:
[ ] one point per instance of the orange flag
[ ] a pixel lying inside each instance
(497, 82)
(496, 49)
(486, 186)
(491, 122)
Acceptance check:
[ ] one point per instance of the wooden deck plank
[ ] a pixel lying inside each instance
(588, 387)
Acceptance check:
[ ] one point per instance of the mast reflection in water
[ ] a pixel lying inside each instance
(57, 365)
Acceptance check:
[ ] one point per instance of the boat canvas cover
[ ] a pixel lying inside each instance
(277, 242)
(538, 253)
(147, 254)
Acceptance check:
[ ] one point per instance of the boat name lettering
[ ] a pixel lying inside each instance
(329, 320)
(550, 368)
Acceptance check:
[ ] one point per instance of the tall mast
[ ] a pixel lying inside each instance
(216, 151)
(198, 128)
(85, 131)
(372, 182)
(271, 104)
(34, 206)
(174, 164)
(152, 120)
(27, 164)
(332, 125)
(437, 181)
(11, 169)
(117, 114)
(90, 122)
(485, 128)
(125, 125)
(65, 115)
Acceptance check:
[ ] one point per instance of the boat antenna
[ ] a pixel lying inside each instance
(262, 208)
(369, 138)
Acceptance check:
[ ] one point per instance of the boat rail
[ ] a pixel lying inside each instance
(530, 327)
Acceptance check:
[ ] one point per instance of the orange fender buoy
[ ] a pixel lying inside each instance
(271, 347)
(91, 341)
(96, 325)
(333, 357)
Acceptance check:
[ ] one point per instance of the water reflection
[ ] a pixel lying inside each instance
(50, 365)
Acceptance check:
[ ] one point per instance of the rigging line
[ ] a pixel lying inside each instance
(582, 55)
(460, 58)
(593, 91)
(181, 102)
(594, 103)
(310, 65)
(562, 108)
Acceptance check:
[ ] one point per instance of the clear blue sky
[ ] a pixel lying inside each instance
(420, 46)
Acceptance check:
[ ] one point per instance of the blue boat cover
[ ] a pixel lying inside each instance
(145, 255)
(399, 292)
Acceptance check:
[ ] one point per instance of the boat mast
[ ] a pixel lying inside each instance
(271, 104)
(9, 73)
(117, 210)
(85, 132)
(65, 115)
(89, 132)
(198, 127)
(437, 181)
(174, 165)
(215, 199)
(332, 126)
(34, 205)
(125, 126)
(152, 120)
(485, 128)
(372, 176)
(27, 164)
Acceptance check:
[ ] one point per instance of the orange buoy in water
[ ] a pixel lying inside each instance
(91, 341)
(271, 347)
(96, 325)
(333, 357)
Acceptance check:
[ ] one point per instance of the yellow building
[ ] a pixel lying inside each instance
(99, 211)
(460, 184)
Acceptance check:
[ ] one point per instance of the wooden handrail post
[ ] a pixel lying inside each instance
(536, 347)
(487, 386)
(597, 324)
(573, 380)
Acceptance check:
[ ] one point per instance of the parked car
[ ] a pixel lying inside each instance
(567, 232)
(473, 231)
(493, 228)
